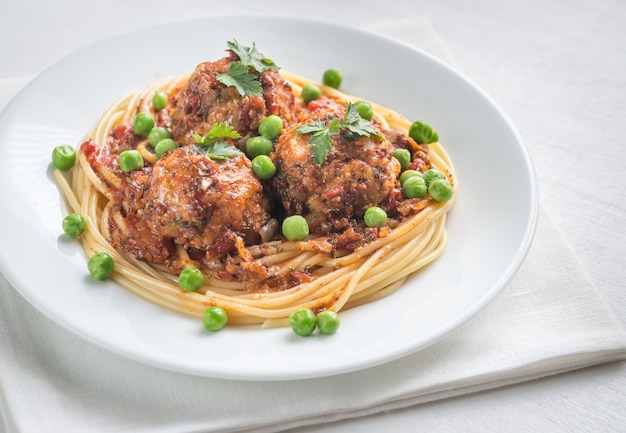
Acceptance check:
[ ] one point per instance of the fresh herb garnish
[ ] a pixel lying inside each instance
(320, 140)
(213, 144)
(239, 75)
(222, 150)
(218, 130)
(356, 124)
(249, 56)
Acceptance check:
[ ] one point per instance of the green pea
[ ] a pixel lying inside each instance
(414, 187)
(310, 93)
(423, 133)
(364, 109)
(408, 173)
(332, 78)
(303, 322)
(130, 160)
(263, 166)
(440, 190)
(74, 225)
(271, 126)
(159, 100)
(259, 145)
(100, 266)
(403, 156)
(157, 134)
(214, 318)
(63, 157)
(165, 145)
(328, 322)
(143, 123)
(432, 174)
(295, 228)
(190, 279)
(375, 217)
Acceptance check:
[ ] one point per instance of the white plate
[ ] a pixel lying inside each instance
(490, 229)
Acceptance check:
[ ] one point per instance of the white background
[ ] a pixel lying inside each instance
(557, 68)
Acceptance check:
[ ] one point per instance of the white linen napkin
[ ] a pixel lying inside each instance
(549, 319)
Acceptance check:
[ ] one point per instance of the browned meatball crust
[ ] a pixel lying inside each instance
(193, 199)
(188, 199)
(358, 173)
(204, 101)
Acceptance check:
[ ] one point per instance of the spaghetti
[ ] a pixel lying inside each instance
(309, 273)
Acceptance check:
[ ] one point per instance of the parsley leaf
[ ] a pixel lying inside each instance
(249, 56)
(312, 127)
(320, 140)
(218, 130)
(240, 77)
(321, 134)
(355, 123)
(213, 145)
(222, 150)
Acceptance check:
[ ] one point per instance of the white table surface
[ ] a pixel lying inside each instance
(557, 68)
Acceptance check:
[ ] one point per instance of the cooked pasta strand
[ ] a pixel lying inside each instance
(375, 270)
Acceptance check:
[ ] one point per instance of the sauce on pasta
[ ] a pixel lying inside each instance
(201, 201)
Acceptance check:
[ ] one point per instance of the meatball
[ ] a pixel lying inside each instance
(195, 200)
(204, 101)
(126, 228)
(278, 95)
(188, 199)
(358, 172)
